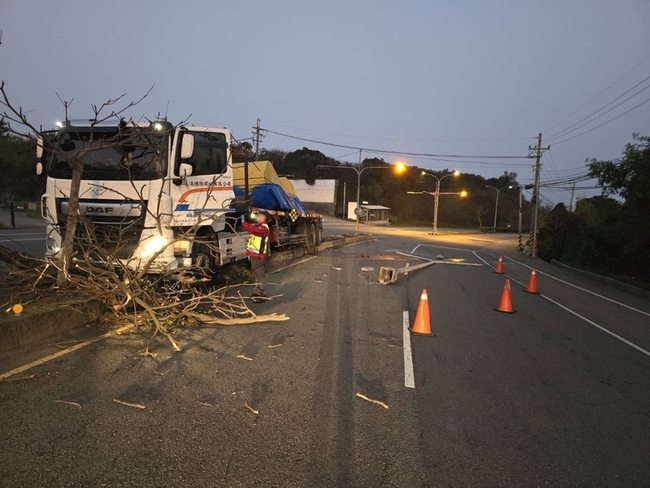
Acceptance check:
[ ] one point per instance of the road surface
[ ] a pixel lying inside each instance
(555, 394)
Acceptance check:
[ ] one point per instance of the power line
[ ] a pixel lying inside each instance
(604, 123)
(396, 153)
(400, 139)
(566, 131)
(599, 94)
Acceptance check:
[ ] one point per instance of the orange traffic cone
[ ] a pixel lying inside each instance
(532, 283)
(422, 324)
(499, 268)
(505, 305)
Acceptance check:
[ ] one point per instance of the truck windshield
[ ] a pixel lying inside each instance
(115, 154)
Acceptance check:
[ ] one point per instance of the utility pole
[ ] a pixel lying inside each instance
(521, 211)
(257, 134)
(536, 152)
(345, 207)
(357, 211)
(573, 190)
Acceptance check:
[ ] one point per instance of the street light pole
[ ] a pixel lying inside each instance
(496, 205)
(496, 209)
(357, 211)
(400, 167)
(436, 197)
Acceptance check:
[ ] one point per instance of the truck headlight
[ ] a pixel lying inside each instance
(53, 245)
(154, 245)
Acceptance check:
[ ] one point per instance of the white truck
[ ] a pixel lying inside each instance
(156, 195)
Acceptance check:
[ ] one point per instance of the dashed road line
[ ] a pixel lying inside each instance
(409, 377)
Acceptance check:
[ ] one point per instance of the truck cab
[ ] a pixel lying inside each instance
(150, 195)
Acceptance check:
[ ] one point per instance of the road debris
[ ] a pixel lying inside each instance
(146, 353)
(337, 268)
(205, 404)
(251, 409)
(376, 402)
(20, 378)
(367, 268)
(74, 404)
(241, 356)
(132, 405)
(159, 373)
(273, 346)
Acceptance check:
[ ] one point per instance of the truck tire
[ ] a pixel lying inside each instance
(203, 260)
(319, 234)
(311, 238)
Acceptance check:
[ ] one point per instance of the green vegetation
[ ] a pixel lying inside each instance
(19, 183)
(605, 234)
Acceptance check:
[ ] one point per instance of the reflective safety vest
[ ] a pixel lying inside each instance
(257, 244)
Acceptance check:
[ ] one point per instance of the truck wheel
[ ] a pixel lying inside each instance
(203, 260)
(319, 235)
(311, 238)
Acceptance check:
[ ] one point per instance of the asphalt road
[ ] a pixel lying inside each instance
(28, 236)
(545, 396)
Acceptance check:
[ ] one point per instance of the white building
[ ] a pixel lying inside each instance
(319, 197)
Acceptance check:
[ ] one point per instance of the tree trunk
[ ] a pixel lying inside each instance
(71, 223)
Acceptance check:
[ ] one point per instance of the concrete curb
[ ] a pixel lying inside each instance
(343, 241)
(23, 330)
(298, 252)
(631, 289)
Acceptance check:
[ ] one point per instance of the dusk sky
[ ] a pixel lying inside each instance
(463, 77)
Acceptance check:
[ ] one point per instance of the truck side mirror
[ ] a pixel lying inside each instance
(39, 148)
(185, 170)
(187, 146)
(39, 168)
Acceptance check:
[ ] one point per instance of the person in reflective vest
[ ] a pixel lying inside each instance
(257, 251)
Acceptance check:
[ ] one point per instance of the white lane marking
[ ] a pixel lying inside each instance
(445, 247)
(293, 264)
(573, 312)
(580, 288)
(63, 352)
(409, 377)
(613, 334)
(415, 248)
(436, 261)
(414, 256)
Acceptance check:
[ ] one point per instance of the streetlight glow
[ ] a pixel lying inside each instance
(456, 173)
(463, 193)
(400, 167)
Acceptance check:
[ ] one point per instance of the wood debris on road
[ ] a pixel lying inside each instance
(74, 404)
(376, 402)
(132, 405)
(241, 356)
(251, 409)
(20, 378)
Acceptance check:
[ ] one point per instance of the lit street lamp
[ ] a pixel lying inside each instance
(436, 196)
(399, 168)
(496, 205)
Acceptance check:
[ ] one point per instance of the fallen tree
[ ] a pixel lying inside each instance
(88, 266)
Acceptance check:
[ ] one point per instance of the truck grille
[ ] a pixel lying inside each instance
(100, 235)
